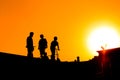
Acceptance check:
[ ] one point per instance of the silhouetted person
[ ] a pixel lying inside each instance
(42, 46)
(53, 46)
(29, 46)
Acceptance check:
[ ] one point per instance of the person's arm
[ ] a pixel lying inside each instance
(46, 44)
(58, 46)
(39, 44)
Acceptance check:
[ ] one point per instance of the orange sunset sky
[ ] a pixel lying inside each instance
(73, 21)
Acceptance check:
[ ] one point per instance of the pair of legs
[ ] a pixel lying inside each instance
(30, 53)
(53, 54)
(42, 53)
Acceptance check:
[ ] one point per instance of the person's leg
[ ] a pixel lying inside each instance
(30, 54)
(53, 55)
(42, 53)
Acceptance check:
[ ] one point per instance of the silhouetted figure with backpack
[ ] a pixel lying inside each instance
(29, 45)
(54, 45)
(42, 45)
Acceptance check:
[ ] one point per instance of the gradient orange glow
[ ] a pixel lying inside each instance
(70, 20)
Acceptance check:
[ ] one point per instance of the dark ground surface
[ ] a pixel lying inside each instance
(21, 67)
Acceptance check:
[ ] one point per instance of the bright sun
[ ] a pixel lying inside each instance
(103, 36)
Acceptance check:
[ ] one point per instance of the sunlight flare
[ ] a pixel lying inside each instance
(103, 36)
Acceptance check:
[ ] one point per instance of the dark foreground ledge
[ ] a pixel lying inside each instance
(21, 66)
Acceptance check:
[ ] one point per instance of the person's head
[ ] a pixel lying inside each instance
(41, 36)
(55, 38)
(31, 34)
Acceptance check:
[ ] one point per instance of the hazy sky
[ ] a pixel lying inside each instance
(70, 20)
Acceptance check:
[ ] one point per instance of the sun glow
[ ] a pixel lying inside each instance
(105, 36)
